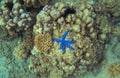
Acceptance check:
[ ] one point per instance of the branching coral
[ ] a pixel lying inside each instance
(43, 42)
(114, 70)
(15, 18)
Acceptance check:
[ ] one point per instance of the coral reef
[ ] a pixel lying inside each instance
(25, 45)
(114, 70)
(110, 8)
(104, 27)
(90, 36)
(109, 11)
(15, 18)
(39, 26)
(40, 66)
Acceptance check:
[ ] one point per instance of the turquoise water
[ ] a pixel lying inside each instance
(10, 67)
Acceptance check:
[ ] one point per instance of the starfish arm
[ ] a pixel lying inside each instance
(71, 41)
(70, 47)
(57, 40)
(61, 47)
(64, 35)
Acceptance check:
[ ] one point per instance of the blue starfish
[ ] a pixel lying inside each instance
(65, 43)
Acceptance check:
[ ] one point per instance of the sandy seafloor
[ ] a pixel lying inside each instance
(12, 68)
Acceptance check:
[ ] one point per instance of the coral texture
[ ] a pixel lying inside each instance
(15, 18)
(25, 45)
(79, 19)
(114, 70)
(89, 24)
(43, 42)
(35, 3)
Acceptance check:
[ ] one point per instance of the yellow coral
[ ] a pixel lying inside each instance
(43, 42)
(114, 70)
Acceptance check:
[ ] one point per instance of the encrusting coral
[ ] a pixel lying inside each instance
(109, 7)
(114, 70)
(82, 48)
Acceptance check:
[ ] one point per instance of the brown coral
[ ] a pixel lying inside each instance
(43, 42)
(114, 70)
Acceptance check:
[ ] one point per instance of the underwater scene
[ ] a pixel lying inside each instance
(59, 38)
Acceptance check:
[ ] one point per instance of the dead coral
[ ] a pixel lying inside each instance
(43, 42)
(114, 70)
